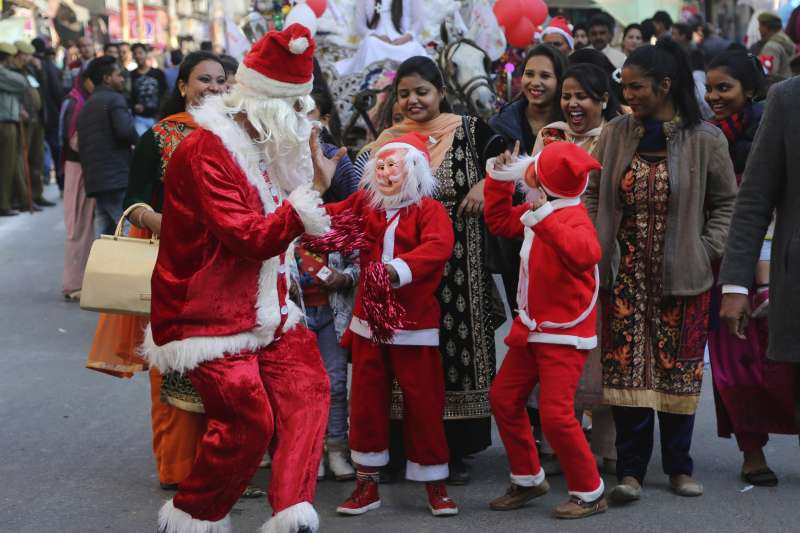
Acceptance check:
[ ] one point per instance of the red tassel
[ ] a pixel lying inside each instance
(382, 312)
(346, 236)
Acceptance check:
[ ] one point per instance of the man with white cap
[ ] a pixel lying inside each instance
(237, 194)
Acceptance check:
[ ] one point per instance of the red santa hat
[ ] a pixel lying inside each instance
(280, 64)
(562, 169)
(560, 25)
(409, 141)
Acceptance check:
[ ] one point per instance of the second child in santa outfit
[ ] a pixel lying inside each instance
(555, 327)
(412, 238)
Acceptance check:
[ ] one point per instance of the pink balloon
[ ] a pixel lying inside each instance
(319, 6)
(536, 11)
(508, 11)
(520, 35)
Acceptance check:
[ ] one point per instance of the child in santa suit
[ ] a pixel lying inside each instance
(411, 238)
(555, 327)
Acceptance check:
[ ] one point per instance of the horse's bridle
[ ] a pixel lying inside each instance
(464, 92)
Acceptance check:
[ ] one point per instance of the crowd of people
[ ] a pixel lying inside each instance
(630, 198)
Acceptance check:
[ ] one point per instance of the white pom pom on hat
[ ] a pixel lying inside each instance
(298, 46)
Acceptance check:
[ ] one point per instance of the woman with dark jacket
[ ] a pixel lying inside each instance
(753, 395)
(661, 205)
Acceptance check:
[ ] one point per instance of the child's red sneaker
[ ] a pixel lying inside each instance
(364, 498)
(439, 502)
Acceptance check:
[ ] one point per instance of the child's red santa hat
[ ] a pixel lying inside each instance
(409, 141)
(560, 25)
(280, 64)
(562, 169)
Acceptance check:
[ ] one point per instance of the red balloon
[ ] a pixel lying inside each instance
(520, 35)
(319, 6)
(508, 11)
(536, 11)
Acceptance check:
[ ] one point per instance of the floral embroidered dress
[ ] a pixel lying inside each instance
(653, 344)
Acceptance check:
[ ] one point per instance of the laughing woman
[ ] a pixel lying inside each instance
(459, 147)
(662, 205)
(537, 106)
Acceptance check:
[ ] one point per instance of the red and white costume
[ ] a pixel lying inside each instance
(221, 311)
(555, 326)
(416, 238)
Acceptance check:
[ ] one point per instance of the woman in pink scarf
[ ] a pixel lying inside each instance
(78, 209)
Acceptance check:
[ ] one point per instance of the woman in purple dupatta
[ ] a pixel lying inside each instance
(753, 395)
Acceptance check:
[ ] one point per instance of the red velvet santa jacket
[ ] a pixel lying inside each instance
(221, 279)
(558, 285)
(417, 241)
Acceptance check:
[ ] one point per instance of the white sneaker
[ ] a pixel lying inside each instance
(337, 461)
(321, 470)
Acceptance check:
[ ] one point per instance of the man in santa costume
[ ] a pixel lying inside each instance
(554, 330)
(237, 194)
(411, 240)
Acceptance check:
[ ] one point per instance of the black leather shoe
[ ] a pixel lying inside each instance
(305, 529)
(8, 213)
(459, 473)
(43, 202)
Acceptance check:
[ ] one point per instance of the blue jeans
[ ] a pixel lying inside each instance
(320, 321)
(107, 211)
(142, 124)
(635, 426)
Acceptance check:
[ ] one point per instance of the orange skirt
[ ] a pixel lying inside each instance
(176, 434)
(117, 338)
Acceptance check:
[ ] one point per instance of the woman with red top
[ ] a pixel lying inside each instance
(753, 395)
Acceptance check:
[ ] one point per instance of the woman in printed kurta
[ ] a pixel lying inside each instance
(470, 304)
(662, 205)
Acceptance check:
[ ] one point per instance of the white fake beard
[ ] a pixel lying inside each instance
(283, 134)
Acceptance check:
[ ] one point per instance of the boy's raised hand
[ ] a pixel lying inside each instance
(507, 158)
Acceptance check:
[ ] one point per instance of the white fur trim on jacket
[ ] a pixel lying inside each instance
(308, 204)
(531, 218)
(259, 83)
(173, 520)
(292, 518)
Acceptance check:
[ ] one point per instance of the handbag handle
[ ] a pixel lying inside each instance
(118, 231)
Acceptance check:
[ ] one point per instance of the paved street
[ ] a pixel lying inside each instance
(75, 444)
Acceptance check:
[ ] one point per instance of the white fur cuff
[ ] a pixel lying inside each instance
(292, 518)
(514, 172)
(173, 520)
(308, 204)
(528, 480)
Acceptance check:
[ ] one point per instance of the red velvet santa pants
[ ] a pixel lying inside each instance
(276, 396)
(557, 369)
(419, 372)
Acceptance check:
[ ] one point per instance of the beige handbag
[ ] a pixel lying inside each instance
(118, 272)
